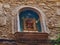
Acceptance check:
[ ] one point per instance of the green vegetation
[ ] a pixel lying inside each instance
(57, 41)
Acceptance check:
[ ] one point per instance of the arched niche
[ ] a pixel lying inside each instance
(29, 20)
(40, 13)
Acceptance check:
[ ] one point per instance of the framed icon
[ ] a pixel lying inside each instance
(29, 24)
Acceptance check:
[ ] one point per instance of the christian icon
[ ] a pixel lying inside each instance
(29, 24)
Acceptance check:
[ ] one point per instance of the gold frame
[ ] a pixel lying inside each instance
(34, 29)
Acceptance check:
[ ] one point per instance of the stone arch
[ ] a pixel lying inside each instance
(38, 10)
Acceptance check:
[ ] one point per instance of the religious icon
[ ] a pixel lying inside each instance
(29, 24)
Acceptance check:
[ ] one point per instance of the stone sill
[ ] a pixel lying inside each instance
(31, 36)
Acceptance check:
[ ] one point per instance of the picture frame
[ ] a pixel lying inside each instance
(29, 25)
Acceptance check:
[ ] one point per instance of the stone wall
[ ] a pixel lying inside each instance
(51, 9)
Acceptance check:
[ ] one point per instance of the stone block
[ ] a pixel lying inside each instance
(0, 33)
(58, 3)
(6, 5)
(1, 12)
(2, 21)
(1, 6)
(58, 11)
(58, 24)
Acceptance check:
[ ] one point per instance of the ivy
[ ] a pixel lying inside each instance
(57, 41)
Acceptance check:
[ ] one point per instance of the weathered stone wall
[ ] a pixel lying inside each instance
(51, 9)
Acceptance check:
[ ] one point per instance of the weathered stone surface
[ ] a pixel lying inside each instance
(2, 21)
(52, 0)
(1, 12)
(6, 5)
(58, 11)
(58, 22)
(58, 3)
(1, 6)
(0, 33)
(49, 7)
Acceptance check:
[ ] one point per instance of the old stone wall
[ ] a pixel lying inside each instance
(51, 8)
